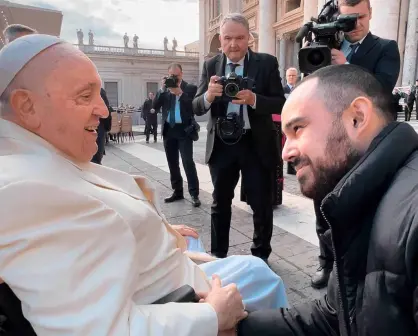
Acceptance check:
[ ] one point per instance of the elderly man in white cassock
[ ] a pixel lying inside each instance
(86, 248)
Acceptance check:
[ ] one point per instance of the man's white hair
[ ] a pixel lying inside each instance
(13, 58)
(237, 18)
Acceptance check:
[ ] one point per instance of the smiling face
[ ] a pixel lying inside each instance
(363, 21)
(65, 107)
(316, 142)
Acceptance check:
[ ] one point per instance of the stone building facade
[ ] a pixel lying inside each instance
(275, 23)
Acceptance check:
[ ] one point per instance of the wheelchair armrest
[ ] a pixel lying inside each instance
(183, 294)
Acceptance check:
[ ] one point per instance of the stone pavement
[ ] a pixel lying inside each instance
(293, 258)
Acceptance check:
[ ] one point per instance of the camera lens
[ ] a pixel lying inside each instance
(316, 57)
(227, 128)
(231, 89)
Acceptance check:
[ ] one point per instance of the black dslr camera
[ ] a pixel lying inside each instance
(230, 128)
(329, 29)
(171, 81)
(233, 84)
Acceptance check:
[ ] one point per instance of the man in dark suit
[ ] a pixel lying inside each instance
(381, 58)
(254, 153)
(151, 121)
(410, 101)
(177, 117)
(104, 127)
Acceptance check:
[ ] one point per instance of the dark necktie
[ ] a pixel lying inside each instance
(352, 51)
(172, 111)
(233, 66)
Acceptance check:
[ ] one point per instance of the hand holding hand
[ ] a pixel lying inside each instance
(227, 303)
(214, 89)
(244, 97)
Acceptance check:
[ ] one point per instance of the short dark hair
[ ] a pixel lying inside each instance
(353, 3)
(339, 85)
(12, 30)
(175, 65)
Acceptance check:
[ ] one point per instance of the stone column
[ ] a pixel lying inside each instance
(267, 37)
(202, 35)
(310, 9)
(403, 19)
(282, 59)
(385, 18)
(411, 45)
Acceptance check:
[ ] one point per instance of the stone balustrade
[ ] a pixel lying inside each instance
(122, 51)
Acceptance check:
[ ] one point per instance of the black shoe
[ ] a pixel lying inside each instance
(147, 141)
(320, 278)
(173, 198)
(155, 140)
(196, 201)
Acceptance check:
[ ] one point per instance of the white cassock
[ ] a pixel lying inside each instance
(86, 249)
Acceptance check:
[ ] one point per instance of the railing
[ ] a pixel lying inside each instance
(122, 51)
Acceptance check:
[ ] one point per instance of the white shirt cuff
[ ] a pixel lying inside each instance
(207, 104)
(255, 102)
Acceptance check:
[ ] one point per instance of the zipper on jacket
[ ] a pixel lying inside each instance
(336, 272)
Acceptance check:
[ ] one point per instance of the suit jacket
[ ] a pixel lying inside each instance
(380, 57)
(264, 69)
(166, 100)
(86, 248)
(146, 110)
(286, 89)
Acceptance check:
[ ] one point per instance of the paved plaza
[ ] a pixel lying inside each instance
(294, 241)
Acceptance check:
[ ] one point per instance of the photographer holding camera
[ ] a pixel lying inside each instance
(359, 47)
(240, 136)
(179, 130)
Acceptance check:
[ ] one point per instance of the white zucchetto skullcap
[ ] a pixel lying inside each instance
(15, 55)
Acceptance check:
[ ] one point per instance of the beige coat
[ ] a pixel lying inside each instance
(86, 248)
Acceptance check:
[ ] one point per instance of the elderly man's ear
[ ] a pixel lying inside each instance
(22, 105)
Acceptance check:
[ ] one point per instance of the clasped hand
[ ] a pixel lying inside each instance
(227, 303)
(244, 97)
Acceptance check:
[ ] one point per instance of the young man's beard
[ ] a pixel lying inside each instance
(327, 173)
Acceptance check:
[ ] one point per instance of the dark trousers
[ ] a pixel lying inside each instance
(225, 165)
(101, 141)
(326, 256)
(408, 111)
(175, 141)
(151, 128)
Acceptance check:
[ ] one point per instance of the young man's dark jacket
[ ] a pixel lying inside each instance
(373, 216)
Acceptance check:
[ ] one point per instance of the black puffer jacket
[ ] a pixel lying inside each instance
(373, 216)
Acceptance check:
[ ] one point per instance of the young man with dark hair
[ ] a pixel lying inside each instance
(381, 58)
(363, 167)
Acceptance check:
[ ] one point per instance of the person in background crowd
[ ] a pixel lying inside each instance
(410, 101)
(14, 31)
(105, 125)
(291, 80)
(177, 102)
(150, 116)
